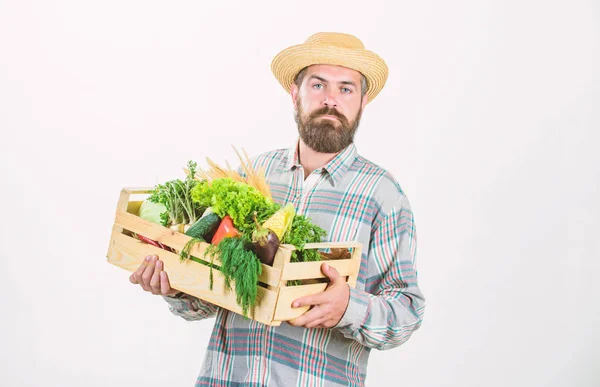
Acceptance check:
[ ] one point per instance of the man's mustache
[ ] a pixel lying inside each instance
(327, 111)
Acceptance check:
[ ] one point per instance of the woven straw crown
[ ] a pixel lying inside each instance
(331, 48)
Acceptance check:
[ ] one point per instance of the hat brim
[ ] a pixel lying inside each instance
(288, 63)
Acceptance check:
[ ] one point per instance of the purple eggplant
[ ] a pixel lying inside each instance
(265, 243)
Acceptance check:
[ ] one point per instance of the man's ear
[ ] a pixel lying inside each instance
(294, 92)
(365, 101)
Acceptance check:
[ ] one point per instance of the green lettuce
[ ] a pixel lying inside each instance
(238, 200)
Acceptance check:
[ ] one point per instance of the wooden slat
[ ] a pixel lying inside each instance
(269, 275)
(123, 200)
(310, 270)
(175, 240)
(153, 231)
(122, 204)
(190, 277)
(325, 245)
(138, 190)
(283, 255)
(288, 294)
(356, 259)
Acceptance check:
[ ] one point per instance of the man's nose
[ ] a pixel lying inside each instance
(330, 99)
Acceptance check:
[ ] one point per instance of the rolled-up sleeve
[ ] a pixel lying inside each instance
(189, 307)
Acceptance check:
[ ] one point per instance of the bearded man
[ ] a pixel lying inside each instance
(331, 79)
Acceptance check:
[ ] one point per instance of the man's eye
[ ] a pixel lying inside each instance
(318, 86)
(346, 90)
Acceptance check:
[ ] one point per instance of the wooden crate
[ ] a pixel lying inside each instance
(275, 297)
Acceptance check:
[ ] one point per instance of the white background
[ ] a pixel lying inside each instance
(489, 121)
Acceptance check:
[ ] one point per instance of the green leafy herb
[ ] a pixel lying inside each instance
(241, 266)
(238, 200)
(185, 252)
(176, 195)
(185, 256)
(304, 231)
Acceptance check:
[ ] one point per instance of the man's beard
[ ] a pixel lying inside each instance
(324, 135)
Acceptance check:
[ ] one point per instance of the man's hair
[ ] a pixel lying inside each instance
(302, 73)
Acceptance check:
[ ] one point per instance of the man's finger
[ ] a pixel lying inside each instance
(316, 323)
(312, 315)
(315, 299)
(136, 276)
(148, 272)
(331, 272)
(155, 280)
(165, 286)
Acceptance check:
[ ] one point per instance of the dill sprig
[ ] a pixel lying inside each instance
(241, 266)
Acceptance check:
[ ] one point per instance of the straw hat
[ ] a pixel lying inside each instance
(331, 48)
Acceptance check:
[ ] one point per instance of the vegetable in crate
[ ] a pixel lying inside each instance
(151, 212)
(227, 196)
(239, 265)
(205, 228)
(248, 203)
(238, 200)
(304, 231)
(176, 195)
(225, 230)
(266, 237)
(201, 231)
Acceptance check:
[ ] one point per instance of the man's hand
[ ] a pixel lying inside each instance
(328, 307)
(151, 277)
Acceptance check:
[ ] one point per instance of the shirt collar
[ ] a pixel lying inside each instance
(336, 168)
(340, 164)
(292, 158)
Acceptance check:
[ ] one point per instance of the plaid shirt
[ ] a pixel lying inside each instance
(352, 199)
